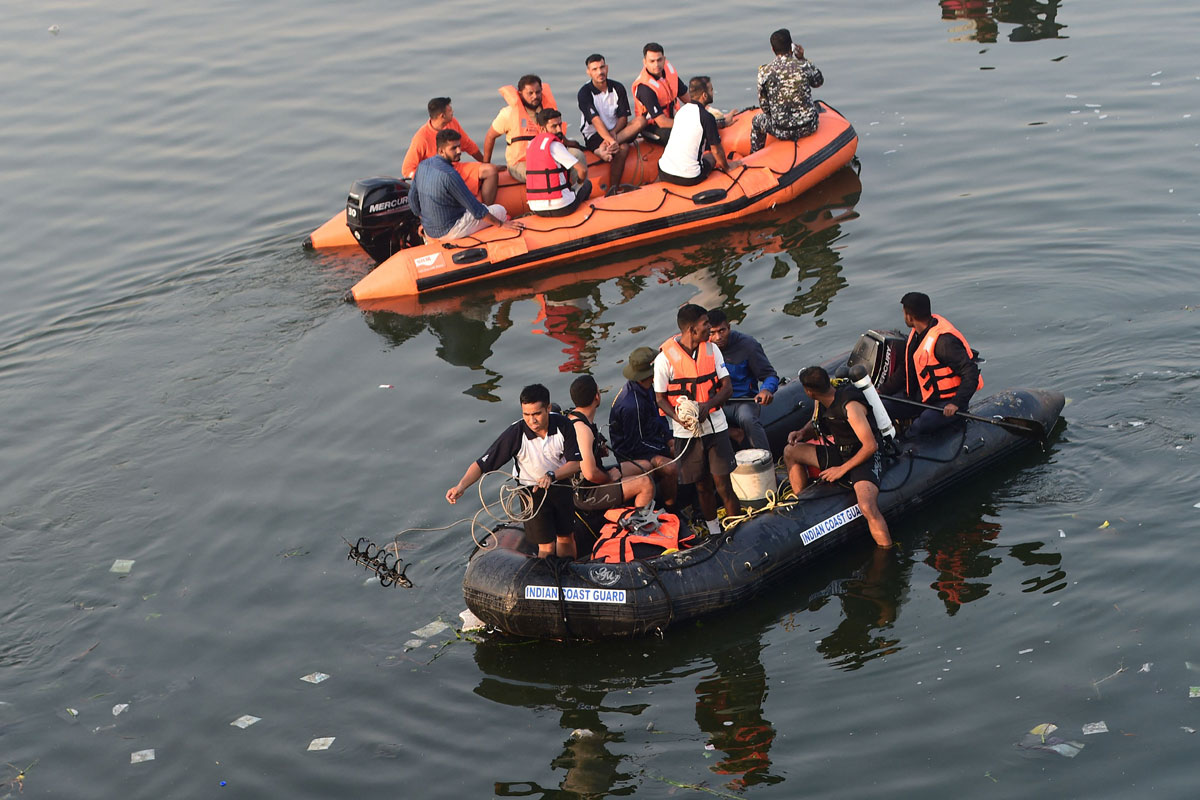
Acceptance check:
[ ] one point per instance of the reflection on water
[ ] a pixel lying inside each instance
(573, 309)
(1033, 20)
(870, 599)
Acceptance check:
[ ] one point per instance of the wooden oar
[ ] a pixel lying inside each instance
(1029, 428)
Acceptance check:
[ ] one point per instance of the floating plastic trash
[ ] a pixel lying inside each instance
(386, 386)
(413, 644)
(470, 622)
(315, 677)
(1146, 667)
(710, 746)
(1102, 527)
(141, 755)
(432, 629)
(245, 721)
(1186, 729)
(1095, 727)
(118, 708)
(1026, 650)
(1040, 738)
(54, 29)
(122, 566)
(323, 743)
(1193, 692)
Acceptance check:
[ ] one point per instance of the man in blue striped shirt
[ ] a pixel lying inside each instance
(442, 200)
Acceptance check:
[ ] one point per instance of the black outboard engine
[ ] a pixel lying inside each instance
(880, 352)
(378, 215)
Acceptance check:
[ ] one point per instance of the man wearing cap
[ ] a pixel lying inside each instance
(637, 433)
(940, 369)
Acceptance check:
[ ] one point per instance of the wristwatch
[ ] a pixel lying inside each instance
(550, 472)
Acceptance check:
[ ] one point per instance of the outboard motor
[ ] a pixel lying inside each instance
(880, 352)
(378, 215)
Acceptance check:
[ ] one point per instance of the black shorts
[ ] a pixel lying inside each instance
(707, 455)
(592, 497)
(705, 170)
(555, 517)
(870, 470)
(592, 142)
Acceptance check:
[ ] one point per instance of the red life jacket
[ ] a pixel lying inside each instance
(616, 544)
(526, 122)
(545, 178)
(694, 378)
(936, 380)
(665, 88)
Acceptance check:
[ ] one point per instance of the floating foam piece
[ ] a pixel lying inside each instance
(470, 622)
(432, 629)
(323, 743)
(245, 721)
(118, 708)
(315, 677)
(141, 755)
(1095, 727)
(122, 566)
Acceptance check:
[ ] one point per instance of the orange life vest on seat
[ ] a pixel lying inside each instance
(694, 378)
(665, 88)
(545, 178)
(616, 542)
(527, 124)
(936, 380)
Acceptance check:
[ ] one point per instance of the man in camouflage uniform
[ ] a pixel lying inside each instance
(785, 94)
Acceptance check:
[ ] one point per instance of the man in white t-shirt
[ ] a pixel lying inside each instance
(690, 366)
(607, 126)
(695, 144)
(555, 182)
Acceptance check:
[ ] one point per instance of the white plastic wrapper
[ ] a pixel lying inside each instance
(1095, 727)
(324, 743)
(141, 755)
(245, 721)
(315, 677)
(122, 566)
(432, 629)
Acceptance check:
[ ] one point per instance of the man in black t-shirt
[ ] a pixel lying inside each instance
(545, 455)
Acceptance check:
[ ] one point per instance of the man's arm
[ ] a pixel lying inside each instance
(649, 101)
(724, 392)
(489, 142)
(762, 371)
(950, 351)
(468, 479)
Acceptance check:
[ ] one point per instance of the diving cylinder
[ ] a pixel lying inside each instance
(862, 382)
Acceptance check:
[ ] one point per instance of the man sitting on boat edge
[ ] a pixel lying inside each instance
(442, 201)
(602, 487)
(841, 414)
(545, 454)
(694, 148)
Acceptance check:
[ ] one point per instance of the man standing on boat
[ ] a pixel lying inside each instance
(481, 179)
(689, 367)
(747, 365)
(841, 415)
(545, 454)
(785, 94)
(442, 201)
(694, 148)
(607, 128)
(940, 369)
(638, 433)
(658, 92)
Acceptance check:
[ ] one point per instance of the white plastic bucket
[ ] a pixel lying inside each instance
(754, 475)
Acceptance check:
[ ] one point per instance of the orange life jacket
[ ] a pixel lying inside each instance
(936, 380)
(616, 542)
(665, 88)
(545, 178)
(527, 124)
(694, 378)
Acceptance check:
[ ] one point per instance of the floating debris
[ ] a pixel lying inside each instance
(432, 629)
(315, 677)
(1062, 534)
(1026, 650)
(1146, 667)
(413, 644)
(581, 733)
(1186, 729)
(245, 721)
(323, 743)
(386, 386)
(1095, 727)
(139, 756)
(1156, 74)
(1040, 738)
(122, 566)
(118, 708)
(710, 746)
(54, 30)
(470, 622)
(1102, 527)
(1193, 692)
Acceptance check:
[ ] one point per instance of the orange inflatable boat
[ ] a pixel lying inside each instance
(776, 174)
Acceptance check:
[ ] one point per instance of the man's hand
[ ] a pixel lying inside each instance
(453, 493)
(799, 51)
(545, 481)
(513, 225)
(794, 439)
(764, 397)
(950, 410)
(833, 474)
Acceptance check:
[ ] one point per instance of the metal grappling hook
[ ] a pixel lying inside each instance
(382, 561)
